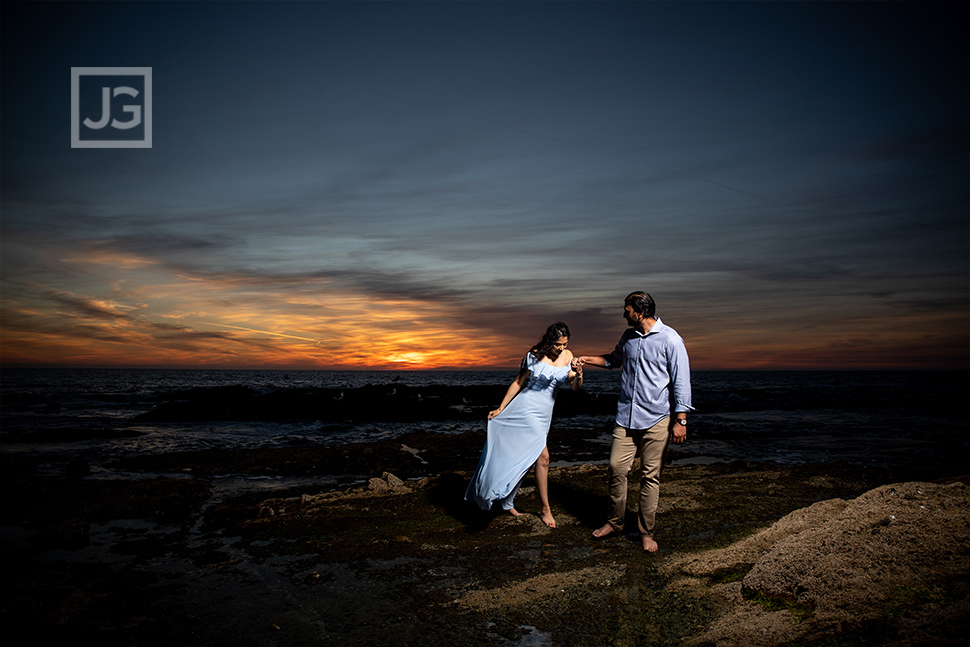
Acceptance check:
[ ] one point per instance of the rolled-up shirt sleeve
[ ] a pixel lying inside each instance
(678, 367)
(615, 359)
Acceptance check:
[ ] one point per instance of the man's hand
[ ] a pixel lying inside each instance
(679, 431)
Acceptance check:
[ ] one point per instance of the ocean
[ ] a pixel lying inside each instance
(913, 421)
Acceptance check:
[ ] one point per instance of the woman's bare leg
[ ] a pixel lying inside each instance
(542, 484)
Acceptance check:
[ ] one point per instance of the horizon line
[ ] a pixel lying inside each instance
(456, 368)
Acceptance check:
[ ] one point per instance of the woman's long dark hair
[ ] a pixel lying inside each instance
(553, 333)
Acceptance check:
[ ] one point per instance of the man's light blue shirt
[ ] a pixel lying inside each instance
(655, 379)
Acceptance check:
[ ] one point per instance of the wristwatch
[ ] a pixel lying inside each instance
(682, 422)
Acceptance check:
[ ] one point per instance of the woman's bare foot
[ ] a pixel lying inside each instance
(547, 518)
(514, 512)
(605, 531)
(649, 544)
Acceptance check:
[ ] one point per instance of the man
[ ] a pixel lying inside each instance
(653, 405)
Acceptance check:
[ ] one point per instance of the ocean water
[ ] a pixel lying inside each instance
(912, 420)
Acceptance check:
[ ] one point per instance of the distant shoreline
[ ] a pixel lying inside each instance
(476, 369)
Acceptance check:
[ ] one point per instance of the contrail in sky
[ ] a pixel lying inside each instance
(264, 332)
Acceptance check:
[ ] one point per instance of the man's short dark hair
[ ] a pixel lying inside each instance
(642, 303)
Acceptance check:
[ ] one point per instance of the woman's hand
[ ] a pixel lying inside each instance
(492, 414)
(576, 373)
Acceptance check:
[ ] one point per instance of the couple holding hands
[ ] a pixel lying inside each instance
(652, 410)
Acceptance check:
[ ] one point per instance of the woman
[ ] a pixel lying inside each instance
(517, 430)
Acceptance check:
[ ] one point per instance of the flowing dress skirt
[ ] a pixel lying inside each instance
(515, 439)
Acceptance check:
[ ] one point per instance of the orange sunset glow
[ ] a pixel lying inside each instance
(324, 190)
(132, 310)
(164, 319)
(191, 322)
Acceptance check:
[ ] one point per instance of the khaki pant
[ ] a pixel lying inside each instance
(627, 443)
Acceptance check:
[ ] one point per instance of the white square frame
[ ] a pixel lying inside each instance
(76, 74)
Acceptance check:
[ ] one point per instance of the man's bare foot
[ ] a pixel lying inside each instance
(547, 518)
(605, 531)
(649, 544)
(514, 512)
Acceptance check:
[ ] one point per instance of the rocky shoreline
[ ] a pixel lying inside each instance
(751, 554)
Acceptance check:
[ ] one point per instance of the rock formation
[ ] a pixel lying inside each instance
(893, 561)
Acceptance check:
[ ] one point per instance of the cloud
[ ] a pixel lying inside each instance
(406, 183)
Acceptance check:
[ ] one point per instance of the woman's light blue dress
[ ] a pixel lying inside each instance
(517, 436)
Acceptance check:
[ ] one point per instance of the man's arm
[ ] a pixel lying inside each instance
(678, 367)
(593, 360)
(613, 360)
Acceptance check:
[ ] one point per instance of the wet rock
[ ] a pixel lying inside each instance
(70, 534)
(897, 553)
(387, 483)
(377, 485)
(77, 468)
(748, 551)
(539, 587)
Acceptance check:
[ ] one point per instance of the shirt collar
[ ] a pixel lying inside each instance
(657, 327)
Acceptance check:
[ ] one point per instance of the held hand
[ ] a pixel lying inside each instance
(492, 414)
(576, 368)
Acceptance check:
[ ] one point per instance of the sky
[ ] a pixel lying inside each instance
(369, 185)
